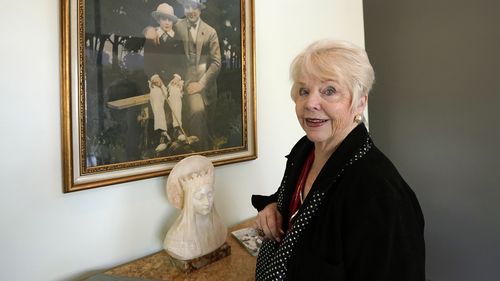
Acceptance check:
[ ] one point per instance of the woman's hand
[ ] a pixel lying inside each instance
(176, 82)
(269, 221)
(156, 81)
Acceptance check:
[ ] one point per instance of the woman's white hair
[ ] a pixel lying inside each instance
(335, 60)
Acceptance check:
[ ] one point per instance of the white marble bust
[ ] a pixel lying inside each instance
(198, 230)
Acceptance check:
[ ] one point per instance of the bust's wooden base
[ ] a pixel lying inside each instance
(194, 264)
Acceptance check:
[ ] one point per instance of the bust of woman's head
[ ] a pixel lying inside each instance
(200, 186)
(198, 230)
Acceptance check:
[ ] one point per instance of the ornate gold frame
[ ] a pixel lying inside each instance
(76, 174)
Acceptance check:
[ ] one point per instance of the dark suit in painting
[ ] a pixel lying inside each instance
(165, 59)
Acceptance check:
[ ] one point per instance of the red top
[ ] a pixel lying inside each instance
(299, 188)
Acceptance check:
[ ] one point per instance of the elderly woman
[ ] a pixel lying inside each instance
(342, 211)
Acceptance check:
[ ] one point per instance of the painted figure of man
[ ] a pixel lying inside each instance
(201, 44)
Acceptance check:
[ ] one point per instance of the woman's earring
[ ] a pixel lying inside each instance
(358, 118)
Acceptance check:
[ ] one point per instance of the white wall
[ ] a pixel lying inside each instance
(48, 235)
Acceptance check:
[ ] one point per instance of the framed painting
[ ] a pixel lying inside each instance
(145, 83)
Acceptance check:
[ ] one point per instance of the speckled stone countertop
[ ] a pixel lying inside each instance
(240, 265)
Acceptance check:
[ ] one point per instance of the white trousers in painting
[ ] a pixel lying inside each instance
(173, 96)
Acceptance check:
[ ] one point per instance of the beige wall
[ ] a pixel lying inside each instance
(47, 235)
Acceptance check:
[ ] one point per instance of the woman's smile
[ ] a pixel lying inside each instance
(315, 122)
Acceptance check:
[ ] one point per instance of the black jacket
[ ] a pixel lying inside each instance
(369, 226)
(165, 59)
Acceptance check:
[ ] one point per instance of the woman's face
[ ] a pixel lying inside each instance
(166, 24)
(203, 200)
(323, 109)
